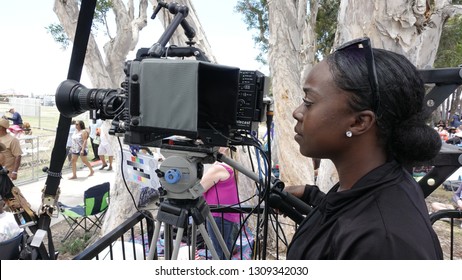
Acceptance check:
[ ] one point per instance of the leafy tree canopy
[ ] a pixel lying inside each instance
(255, 15)
(450, 48)
(100, 18)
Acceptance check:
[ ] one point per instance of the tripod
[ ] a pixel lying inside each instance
(179, 175)
(177, 213)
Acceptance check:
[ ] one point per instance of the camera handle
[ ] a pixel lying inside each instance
(287, 203)
(181, 12)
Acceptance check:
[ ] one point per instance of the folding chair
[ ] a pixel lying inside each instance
(91, 213)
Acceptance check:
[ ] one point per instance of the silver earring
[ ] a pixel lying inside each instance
(348, 134)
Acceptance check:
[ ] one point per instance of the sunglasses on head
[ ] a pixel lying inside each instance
(365, 44)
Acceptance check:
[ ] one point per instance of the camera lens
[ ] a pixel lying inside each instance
(73, 99)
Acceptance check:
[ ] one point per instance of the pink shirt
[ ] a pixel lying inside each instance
(224, 193)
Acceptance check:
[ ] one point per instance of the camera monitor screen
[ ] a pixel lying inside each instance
(180, 97)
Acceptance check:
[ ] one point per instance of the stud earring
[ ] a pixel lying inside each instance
(348, 134)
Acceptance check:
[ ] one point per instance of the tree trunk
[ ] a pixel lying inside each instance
(108, 73)
(291, 51)
(291, 55)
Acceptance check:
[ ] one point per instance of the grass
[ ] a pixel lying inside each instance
(73, 246)
(40, 117)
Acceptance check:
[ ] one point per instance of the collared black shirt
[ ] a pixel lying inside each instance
(383, 216)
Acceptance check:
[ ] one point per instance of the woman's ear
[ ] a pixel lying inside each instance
(364, 121)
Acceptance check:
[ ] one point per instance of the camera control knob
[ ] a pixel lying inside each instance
(173, 176)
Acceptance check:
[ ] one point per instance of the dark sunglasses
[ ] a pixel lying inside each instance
(365, 44)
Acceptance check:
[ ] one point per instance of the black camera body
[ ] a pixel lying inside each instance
(163, 97)
(160, 98)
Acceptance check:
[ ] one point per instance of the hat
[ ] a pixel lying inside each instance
(4, 123)
(15, 128)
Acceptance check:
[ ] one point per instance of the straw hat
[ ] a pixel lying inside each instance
(4, 123)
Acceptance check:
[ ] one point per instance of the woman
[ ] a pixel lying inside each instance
(79, 148)
(369, 123)
(105, 149)
(219, 183)
(456, 202)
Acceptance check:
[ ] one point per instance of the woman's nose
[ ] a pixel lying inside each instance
(297, 114)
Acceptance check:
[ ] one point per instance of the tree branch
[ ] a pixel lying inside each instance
(452, 10)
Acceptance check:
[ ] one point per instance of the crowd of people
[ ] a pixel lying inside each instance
(450, 131)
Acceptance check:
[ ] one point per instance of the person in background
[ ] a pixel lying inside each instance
(27, 131)
(376, 210)
(12, 153)
(456, 202)
(443, 133)
(15, 117)
(94, 125)
(455, 120)
(105, 149)
(16, 131)
(220, 186)
(79, 148)
(69, 142)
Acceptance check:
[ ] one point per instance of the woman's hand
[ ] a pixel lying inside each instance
(296, 190)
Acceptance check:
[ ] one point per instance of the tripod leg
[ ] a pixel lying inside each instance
(192, 255)
(208, 242)
(176, 246)
(155, 237)
(218, 235)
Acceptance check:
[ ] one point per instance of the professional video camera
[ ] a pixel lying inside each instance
(162, 97)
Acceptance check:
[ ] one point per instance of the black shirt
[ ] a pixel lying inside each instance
(383, 216)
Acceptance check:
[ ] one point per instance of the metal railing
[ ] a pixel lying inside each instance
(130, 240)
(451, 215)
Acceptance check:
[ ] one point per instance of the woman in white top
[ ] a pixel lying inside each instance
(79, 148)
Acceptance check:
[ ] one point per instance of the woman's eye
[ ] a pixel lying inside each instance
(306, 102)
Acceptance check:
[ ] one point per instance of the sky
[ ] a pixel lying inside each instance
(32, 63)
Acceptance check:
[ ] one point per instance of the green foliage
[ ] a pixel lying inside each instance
(58, 34)
(326, 26)
(99, 18)
(76, 245)
(450, 48)
(255, 13)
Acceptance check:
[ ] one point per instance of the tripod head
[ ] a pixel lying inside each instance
(182, 169)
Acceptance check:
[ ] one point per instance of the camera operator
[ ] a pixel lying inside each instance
(376, 210)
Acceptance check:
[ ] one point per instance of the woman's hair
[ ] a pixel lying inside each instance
(400, 114)
(81, 124)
